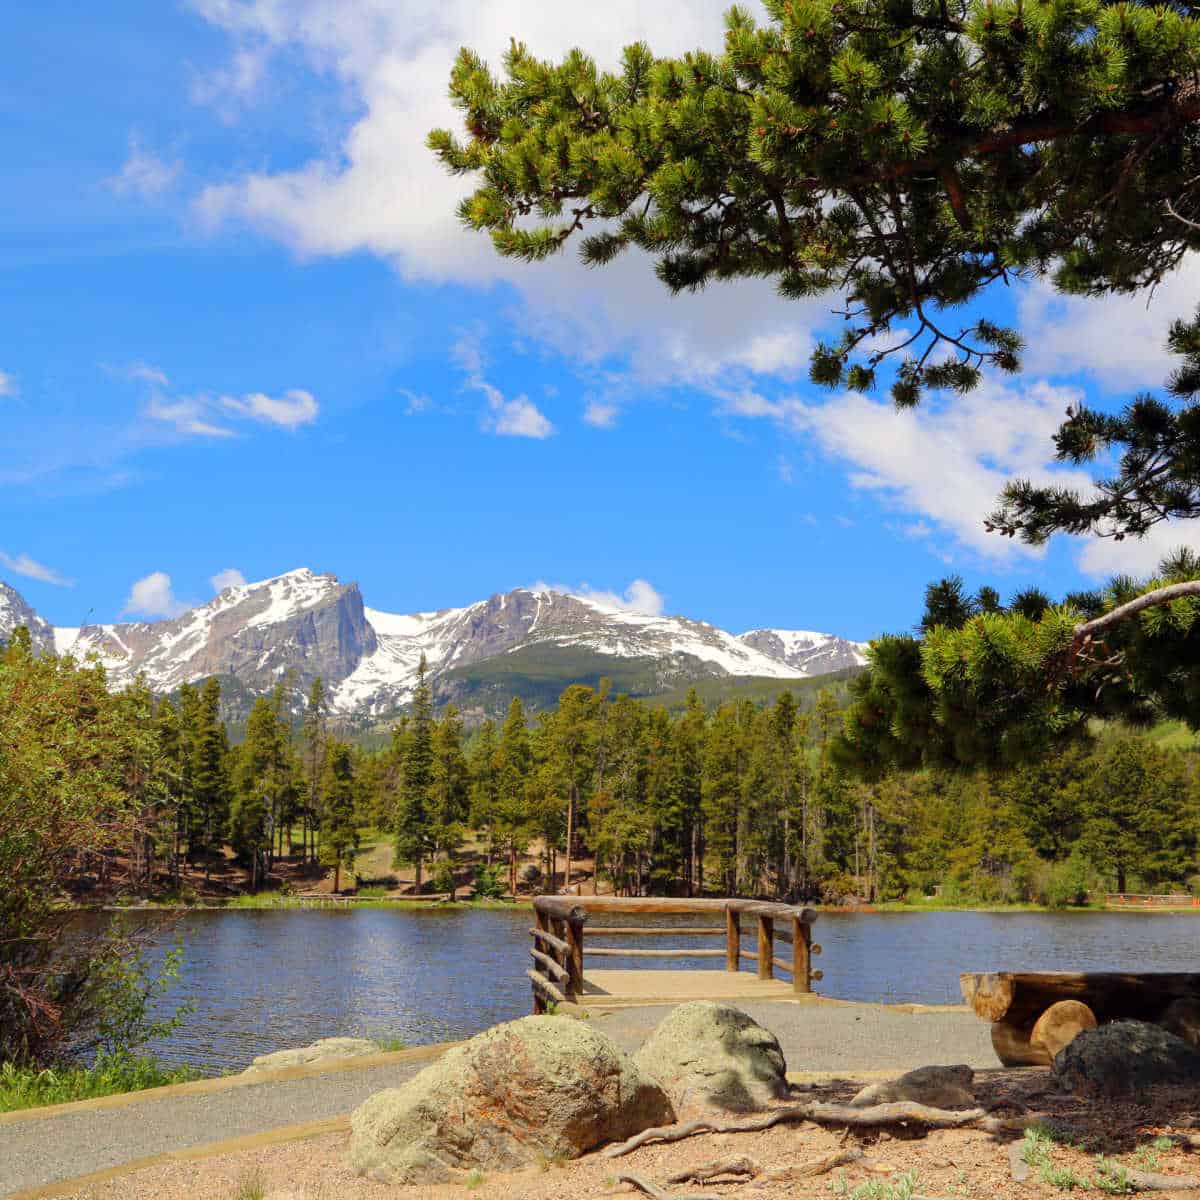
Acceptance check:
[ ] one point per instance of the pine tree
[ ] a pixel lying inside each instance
(413, 841)
(313, 733)
(482, 764)
(449, 794)
(257, 763)
(209, 780)
(339, 841)
(514, 762)
(906, 157)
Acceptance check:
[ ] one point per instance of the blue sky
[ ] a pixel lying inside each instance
(241, 330)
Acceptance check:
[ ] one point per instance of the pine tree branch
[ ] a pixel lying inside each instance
(1123, 612)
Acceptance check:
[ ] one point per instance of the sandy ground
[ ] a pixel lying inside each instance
(951, 1164)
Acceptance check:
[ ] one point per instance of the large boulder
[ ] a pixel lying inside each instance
(327, 1049)
(937, 1087)
(537, 1088)
(710, 1056)
(1125, 1057)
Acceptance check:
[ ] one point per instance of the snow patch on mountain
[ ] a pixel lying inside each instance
(309, 625)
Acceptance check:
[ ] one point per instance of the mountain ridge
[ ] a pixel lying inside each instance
(303, 625)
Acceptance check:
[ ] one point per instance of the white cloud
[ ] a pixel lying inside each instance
(1101, 558)
(144, 372)
(378, 189)
(289, 411)
(152, 596)
(600, 415)
(186, 415)
(144, 173)
(229, 577)
(518, 417)
(8, 385)
(1120, 340)
(787, 473)
(22, 564)
(415, 402)
(639, 597)
(945, 462)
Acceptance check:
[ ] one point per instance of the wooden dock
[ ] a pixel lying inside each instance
(560, 975)
(617, 988)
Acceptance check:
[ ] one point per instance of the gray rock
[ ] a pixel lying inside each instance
(713, 1056)
(1124, 1057)
(938, 1087)
(324, 1050)
(537, 1088)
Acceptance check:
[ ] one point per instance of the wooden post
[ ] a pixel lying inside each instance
(766, 947)
(733, 940)
(574, 957)
(801, 960)
(539, 1002)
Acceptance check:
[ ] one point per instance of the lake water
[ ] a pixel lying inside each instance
(268, 980)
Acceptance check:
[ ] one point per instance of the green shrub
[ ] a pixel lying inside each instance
(489, 882)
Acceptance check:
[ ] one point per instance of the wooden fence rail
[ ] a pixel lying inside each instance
(558, 935)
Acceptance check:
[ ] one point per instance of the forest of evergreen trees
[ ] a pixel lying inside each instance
(744, 799)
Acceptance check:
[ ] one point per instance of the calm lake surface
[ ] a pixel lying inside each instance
(268, 980)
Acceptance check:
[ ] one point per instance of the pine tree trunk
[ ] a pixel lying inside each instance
(570, 836)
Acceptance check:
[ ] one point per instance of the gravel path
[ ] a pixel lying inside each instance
(815, 1037)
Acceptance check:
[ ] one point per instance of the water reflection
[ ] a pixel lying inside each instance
(267, 980)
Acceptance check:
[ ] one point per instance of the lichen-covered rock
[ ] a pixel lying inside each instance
(1124, 1057)
(540, 1087)
(713, 1056)
(938, 1087)
(304, 1056)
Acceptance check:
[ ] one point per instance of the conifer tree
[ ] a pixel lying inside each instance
(313, 734)
(514, 762)
(257, 779)
(209, 780)
(413, 841)
(339, 840)
(449, 793)
(484, 773)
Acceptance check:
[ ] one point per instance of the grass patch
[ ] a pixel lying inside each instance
(27, 1087)
(389, 1043)
(900, 1188)
(253, 1187)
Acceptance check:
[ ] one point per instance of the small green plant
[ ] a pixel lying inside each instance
(253, 1187)
(1063, 1178)
(474, 1180)
(1146, 1155)
(1111, 1177)
(389, 1043)
(900, 1188)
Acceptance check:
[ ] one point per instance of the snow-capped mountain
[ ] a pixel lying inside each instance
(312, 625)
(14, 611)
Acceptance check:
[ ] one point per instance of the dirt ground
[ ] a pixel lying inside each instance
(1089, 1139)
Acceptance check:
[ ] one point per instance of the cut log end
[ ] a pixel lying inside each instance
(989, 995)
(1059, 1025)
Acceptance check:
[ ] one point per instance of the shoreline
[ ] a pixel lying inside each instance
(411, 904)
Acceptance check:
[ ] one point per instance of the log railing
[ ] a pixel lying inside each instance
(558, 943)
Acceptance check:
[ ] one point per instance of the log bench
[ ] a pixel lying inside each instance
(1034, 1014)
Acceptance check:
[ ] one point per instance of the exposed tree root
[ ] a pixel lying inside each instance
(1151, 1181)
(657, 1193)
(740, 1164)
(900, 1112)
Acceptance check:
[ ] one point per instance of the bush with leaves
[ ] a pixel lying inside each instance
(78, 767)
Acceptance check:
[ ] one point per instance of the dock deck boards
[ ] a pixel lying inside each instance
(674, 987)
